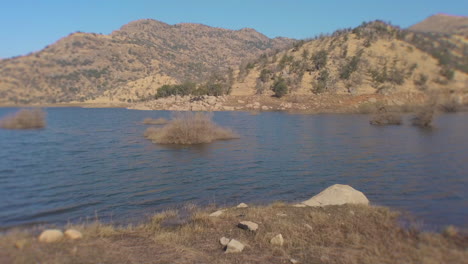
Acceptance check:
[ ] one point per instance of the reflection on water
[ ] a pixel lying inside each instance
(91, 162)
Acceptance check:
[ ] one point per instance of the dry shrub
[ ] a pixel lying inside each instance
(24, 119)
(424, 117)
(158, 121)
(450, 106)
(189, 128)
(386, 119)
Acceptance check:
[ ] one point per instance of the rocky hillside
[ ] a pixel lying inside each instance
(443, 23)
(372, 58)
(130, 63)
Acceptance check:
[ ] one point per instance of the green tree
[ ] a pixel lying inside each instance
(280, 88)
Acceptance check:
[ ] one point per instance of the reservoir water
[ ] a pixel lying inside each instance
(91, 163)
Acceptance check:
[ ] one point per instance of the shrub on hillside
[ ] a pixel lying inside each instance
(280, 88)
(189, 128)
(24, 119)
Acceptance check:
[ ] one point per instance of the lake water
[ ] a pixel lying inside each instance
(96, 162)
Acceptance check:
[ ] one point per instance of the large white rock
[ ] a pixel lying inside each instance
(242, 205)
(217, 213)
(337, 194)
(50, 235)
(234, 246)
(73, 234)
(248, 225)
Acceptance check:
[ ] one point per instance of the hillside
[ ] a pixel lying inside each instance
(443, 23)
(129, 63)
(373, 58)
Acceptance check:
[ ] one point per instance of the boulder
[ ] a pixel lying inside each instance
(50, 235)
(277, 240)
(337, 194)
(73, 234)
(248, 225)
(242, 205)
(234, 246)
(224, 241)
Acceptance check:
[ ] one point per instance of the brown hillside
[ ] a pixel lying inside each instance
(443, 23)
(129, 63)
(372, 58)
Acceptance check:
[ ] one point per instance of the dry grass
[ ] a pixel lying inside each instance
(24, 119)
(333, 234)
(385, 119)
(189, 128)
(158, 121)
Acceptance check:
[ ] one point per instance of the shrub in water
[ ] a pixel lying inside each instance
(158, 121)
(385, 119)
(189, 128)
(424, 117)
(24, 119)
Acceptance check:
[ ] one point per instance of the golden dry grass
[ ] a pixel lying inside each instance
(333, 234)
(189, 128)
(158, 121)
(24, 119)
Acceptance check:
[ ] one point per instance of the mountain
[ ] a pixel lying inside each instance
(374, 58)
(129, 63)
(443, 23)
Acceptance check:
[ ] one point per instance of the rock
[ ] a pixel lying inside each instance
(20, 243)
(50, 235)
(277, 240)
(240, 102)
(300, 205)
(234, 246)
(337, 194)
(73, 234)
(248, 225)
(264, 107)
(217, 213)
(294, 261)
(224, 241)
(242, 205)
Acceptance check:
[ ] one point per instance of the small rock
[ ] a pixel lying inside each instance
(73, 234)
(248, 225)
(234, 246)
(224, 241)
(242, 205)
(50, 235)
(294, 261)
(277, 240)
(21, 243)
(299, 205)
(264, 107)
(308, 226)
(281, 214)
(217, 213)
(240, 101)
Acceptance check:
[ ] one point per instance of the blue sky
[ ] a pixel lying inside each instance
(30, 25)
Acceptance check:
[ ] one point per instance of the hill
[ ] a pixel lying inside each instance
(129, 63)
(374, 58)
(443, 23)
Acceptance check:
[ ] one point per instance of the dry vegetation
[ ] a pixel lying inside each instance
(385, 119)
(189, 128)
(333, 234)
(158, 121)
(24, 119)
(424, 117)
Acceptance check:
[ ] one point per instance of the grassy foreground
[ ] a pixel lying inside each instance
(333, 234)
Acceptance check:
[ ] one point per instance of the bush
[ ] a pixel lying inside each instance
(24, 119)
(320, 59)
(151, 121)
(280, 87)
(349, 68)
(424, 117)
(189, 128)
(386, 119)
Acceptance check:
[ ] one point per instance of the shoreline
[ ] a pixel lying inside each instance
(344, 233)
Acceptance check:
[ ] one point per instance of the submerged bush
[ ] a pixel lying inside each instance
(386, 119)
(424, 117)
(24, 119)
(158, 121)
(189, 128)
